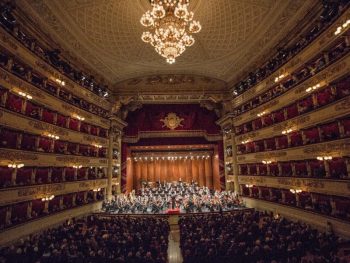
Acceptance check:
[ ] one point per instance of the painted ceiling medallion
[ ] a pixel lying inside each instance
(171, 26)
(172, 121)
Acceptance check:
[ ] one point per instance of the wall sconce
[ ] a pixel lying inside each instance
(97, 146)
(61, 82)
(47, 198)
(13, 165)
(249, 185)
(261, 114)
(277, 79)
(96, 190)
(295, 191)
(287, 131)
(341, 28)
(266, 162)
(246, 141)
(77, 166)
(53, 136)
(309, 89)
(78, 117)
(25, 95)
(324, 158)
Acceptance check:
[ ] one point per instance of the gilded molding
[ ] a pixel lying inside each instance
(9, 155)
(344, 105)
(47, 127)
(341, 148)
(73, 159)
(42, 189)
(291, 123)
(269, 155)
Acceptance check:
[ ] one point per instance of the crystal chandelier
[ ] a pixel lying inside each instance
(170, 27)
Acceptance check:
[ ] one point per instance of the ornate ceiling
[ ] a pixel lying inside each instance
(105, 35)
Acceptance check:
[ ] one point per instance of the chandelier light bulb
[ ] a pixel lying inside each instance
(171, 25)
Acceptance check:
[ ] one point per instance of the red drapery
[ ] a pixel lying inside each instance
(195, 169)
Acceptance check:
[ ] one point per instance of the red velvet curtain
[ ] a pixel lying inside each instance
(167, 170)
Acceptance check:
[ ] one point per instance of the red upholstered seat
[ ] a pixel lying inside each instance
(286, 169)
(325, 97)
(70, 171)
(257, 124)
(311, 135)
(296, 139)
(305, 105)
(330, 131)
(282, 141)
(19, 213)
(48, 116)
(41, 175)
(262, 169)
(102, 152)
(274, 169)
(300, 168)
(81, 173)
(268, 120)
(59, 147)
(317, 168)
(243, 169)
(74, 124)
(37, 208)
(252, 169)
(61, 120)
(343, 88)
(103, 133)
(93, 130)
(23, 176)
(56, 175)
(8, 138)
(45, 144)
(14, 102)
(259, 146)
(84, 127)
(54, 205)
(292, 111)
(5, 176)
(346, 126)
(72, 148)
(270, 144)
(278, 116)
(32, 110)
(337, 168)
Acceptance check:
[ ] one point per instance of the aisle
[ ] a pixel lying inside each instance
(174, 251)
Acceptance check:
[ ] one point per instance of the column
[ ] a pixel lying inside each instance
(8, 216)
(29, 210)
(115, 136)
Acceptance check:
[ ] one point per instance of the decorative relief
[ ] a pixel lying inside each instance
(10, 155)
(342, 147)
(288, 124)
(270, 155)
(247, 136)
(251, 180)
(47, 127)
(94, 139)
(8, 41)
(172, 121)
(43, 189)
(344, 105)
(71, 159)
(301, 183)
(241, 158)
(43, 65)
(74, 109)
(92, 184)
(266, 106)
(103, 161)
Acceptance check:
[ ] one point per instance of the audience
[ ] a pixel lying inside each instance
(253, 237)
(117, 239)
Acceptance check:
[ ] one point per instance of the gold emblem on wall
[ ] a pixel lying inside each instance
(172, 121)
